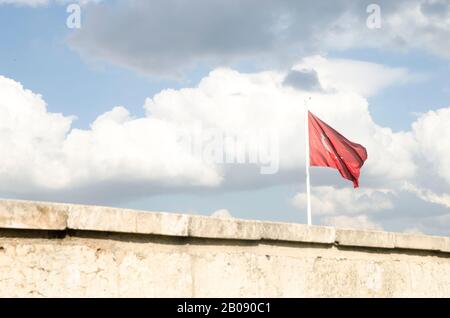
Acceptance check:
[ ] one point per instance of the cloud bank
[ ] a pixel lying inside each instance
(171, 37)
(122, 157)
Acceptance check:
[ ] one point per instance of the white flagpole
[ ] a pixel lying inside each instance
(308, 185)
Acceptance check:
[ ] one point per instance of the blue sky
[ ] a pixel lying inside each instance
(115, 60)
(395, 107)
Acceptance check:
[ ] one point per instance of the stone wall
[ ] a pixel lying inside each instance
(62, 250)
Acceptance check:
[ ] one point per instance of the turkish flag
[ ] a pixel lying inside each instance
(328, 148)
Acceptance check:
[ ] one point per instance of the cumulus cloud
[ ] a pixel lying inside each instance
(361, 222)
(431, 131)
(428, 223)
(328, 200)
(351, 76)
(46, 156)
(122, 157)
(235, 102)
(428, 195)
(39, 3)
(32, 139)
(32, 3)
(145, 153)
(169, 37)
(222, 213)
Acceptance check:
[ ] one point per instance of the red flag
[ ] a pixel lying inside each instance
(328, 148)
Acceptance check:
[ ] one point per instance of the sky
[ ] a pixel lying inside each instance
(198, 107)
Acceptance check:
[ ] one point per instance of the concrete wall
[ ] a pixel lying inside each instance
(72, 250)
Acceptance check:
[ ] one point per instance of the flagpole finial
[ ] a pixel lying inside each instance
(306, 100)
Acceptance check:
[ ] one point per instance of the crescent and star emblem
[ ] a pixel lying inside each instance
(327, 146)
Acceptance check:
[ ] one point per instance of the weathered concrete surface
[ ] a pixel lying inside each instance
(73, 250)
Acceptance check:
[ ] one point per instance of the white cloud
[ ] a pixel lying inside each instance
(428, 195)
(432, 131)
(235, 102)
(426, 149)
(40, 3)
(154, 38)
(32, 3)
(121, 157)
(427, 224)
(31, 139)
(43, 154)
(222, 213)
(413, 230)
(361, 222)
(328, 200)
(422, 24)
(335, 75)
(118, 147)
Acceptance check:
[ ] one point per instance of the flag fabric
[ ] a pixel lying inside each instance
(328, 148)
